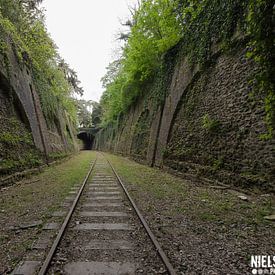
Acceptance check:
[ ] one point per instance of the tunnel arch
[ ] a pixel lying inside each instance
(87, 140)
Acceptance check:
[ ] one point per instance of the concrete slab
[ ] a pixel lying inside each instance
(103, 204)
(51, 226)
(76, 186)
(28, 225)
(104, 182)
(59, 214)
(102, 268)
(105, 198)
(108, 245)
(104, 193)
(70, 198)
(102, 185)
(102, 175)
(41, 244)
(26, 268)
(103, 178)
(103, 226)
(102, 214)
(104, 188)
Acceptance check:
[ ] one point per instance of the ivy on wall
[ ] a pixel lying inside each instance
(198, 26)
(22, 26)
(261, 22)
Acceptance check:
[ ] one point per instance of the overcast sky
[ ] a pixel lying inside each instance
(85, 33)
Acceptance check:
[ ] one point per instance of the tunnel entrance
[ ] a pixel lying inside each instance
(87, 140)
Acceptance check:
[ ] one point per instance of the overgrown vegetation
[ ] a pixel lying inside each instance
(44, 193)
(22, 26)
(261, 22)
(17, 150)
(210, 203)
(86, 117)
(199, 26)
(154, 30)
(212, 125)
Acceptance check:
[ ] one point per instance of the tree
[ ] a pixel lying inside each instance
(22, 21)
(154, 28)
(84, 114)
(96, 115)
(71, 77)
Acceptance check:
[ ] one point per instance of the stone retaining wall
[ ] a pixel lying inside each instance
(210, 124)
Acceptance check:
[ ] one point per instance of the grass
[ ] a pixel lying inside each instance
(180, 197)
(35, 199)
(51, 185)
(156, 193)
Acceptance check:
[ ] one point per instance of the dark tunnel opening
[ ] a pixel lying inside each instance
(87, 140)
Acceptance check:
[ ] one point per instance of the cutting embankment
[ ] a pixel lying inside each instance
(194, 92)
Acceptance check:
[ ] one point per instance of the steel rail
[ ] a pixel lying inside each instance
(58, 238)
(151, 235)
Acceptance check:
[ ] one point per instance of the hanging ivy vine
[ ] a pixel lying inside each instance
(260, 27)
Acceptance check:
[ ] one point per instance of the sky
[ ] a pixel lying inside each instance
(85, 32)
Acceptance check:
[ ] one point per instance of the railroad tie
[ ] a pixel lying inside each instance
(107, 223)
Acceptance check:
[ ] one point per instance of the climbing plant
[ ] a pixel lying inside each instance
(22, 26)
(261, 22)
(198, 26)
(154, 29)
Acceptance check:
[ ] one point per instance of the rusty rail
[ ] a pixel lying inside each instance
(151, 235)
(58, 238)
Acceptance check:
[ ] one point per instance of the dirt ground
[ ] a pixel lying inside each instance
(203, 229)
(26, 206)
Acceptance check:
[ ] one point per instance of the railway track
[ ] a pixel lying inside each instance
(103, 232)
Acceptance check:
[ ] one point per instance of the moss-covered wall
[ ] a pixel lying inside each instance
(217, 128)
(26, 140)
(201, 121)
(17, 147)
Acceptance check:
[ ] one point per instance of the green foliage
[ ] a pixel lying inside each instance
(86, 118)
(17, 150)
(207, 23)
(218, 164)
(154, 30)
(210, 124)
(58, 155)
(96, 115)
(261, 21)
(157, 26)
(201, 26)
(84, 113)
(12, 139)
(21, 23)
(9, 138)
(29, 160)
